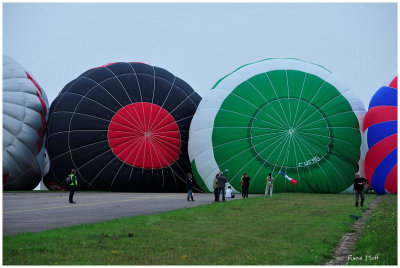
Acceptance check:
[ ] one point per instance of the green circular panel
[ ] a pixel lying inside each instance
(289, 121)
(272, 135)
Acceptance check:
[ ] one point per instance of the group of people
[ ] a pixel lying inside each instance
(245, 183)
(219, 186)
(220, 180)
(359, 185)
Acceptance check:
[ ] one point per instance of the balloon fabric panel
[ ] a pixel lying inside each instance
(385, 96)
(378, 132)
(393, 84)
(382, 171)
(391, 180)
(379, 114)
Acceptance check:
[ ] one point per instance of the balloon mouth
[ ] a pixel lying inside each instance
(144, 135)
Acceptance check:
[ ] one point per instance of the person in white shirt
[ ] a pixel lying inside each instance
(270, 185)
(229, 193)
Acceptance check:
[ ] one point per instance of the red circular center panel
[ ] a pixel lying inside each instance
(144, 135)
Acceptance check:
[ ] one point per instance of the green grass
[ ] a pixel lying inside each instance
(290, 228)
(379, 238)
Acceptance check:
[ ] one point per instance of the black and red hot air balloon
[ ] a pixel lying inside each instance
(123, 127)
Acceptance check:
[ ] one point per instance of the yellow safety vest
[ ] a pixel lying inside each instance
(74, 181)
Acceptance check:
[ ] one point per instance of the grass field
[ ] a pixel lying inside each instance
(290, 228)
(378, 243)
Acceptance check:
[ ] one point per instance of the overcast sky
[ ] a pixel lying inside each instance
(201, 43)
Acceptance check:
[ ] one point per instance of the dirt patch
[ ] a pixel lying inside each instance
(346, 244)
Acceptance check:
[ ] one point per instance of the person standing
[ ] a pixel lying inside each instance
(221, 180)
(72, 185)
(359, 184)
(189, 186)
(215, 186)
(246, 185)
(241, 182)
(270, 185)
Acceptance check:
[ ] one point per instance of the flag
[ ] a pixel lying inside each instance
(293, 181)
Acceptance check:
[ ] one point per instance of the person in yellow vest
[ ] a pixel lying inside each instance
(72, 185)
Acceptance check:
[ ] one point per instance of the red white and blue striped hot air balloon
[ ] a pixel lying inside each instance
(380, 124)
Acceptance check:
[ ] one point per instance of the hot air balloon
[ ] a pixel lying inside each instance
(123, 127)
(280, 116)
(380, 124)
(25, 111)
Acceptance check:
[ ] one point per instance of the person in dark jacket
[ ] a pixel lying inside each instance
(215, 186)
(189, 186)
(221, 180)
(359, 186)
(246, 184)
(72, 185)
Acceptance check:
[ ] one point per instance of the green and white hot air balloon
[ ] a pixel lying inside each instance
(278, 115)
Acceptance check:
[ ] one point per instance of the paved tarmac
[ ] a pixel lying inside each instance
(37, 211)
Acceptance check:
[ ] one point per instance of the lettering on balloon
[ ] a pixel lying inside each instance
(312, 161)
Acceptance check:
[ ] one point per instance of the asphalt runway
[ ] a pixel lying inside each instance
(38, 211)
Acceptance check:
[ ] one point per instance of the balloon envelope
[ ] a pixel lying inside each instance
(25, 111)
(380, 124)
(278, 115)
(123, 127)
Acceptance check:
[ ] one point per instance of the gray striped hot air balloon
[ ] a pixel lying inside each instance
(25, 111)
